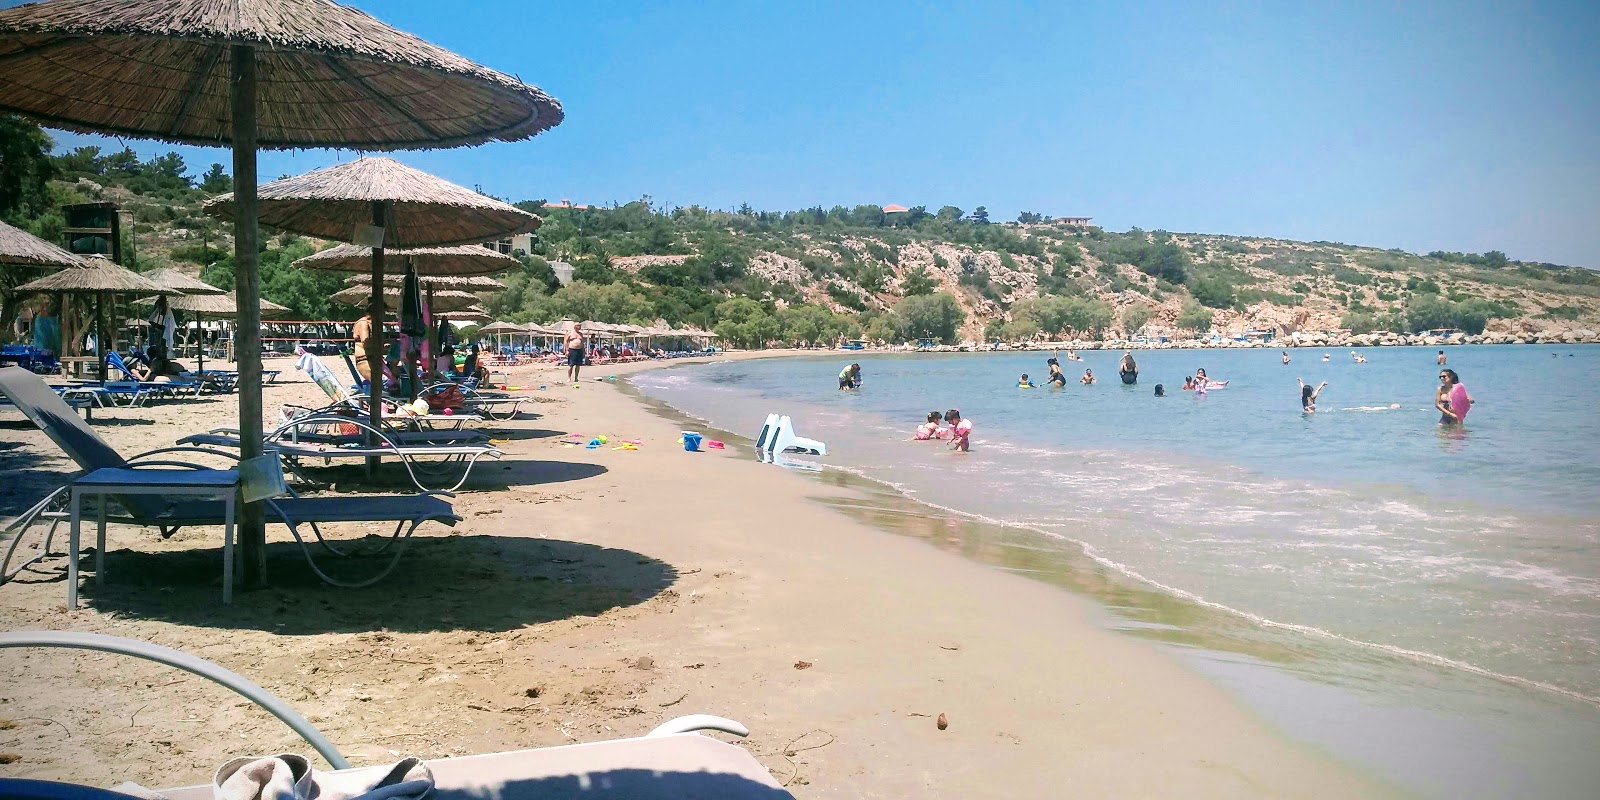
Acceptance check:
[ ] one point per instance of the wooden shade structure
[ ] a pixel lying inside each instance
(218, 305)
(464, 283)
(420, 210)
(444, 300)
(179, 282)
(101, 278)
(279, 74)
(463, 260)
(23, 249)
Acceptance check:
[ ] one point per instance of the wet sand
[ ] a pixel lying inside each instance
(592, 594)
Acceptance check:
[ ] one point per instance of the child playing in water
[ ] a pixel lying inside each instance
(1088, 377)
(928, 429)
(960, 430)
(1024, 383)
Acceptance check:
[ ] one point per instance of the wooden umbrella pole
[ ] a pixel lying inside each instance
(100, 332)
(375, 353)
(252, 525)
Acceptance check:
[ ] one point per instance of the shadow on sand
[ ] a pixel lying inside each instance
(486, 475)
(442, 583)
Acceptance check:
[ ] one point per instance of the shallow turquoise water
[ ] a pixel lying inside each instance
(1428, 599)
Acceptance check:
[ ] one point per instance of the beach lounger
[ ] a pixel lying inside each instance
(167, 388)
(168, 515)
(436, 461)
(672, 761)
(494, 405)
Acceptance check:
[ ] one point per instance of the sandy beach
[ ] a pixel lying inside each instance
(592, 594)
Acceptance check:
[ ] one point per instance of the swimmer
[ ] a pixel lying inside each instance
(1188, 383)
(928, 429)
(1072, 355)
(1359, 359)
(1056, 376)
(960, 430)
(1024, 383)
(1308, 396)
(1202, 381)
(1441, 358)
(1325, 356)
(1286, 356)
(1088, 378)
(1161, 391)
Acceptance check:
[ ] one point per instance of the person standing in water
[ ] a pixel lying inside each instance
(1088, 377)
(1308, 396)
(1056, 376)
(1286, 356)
(850, 377)
(1441, 358)
(1128, 370)
(1460, 401)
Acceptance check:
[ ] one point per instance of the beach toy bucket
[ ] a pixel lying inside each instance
(691, 441)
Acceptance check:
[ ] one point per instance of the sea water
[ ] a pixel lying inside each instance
(1443, 582)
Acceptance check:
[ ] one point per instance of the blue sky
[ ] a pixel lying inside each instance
(1458, 126)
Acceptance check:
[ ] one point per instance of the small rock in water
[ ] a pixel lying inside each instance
(942, 722)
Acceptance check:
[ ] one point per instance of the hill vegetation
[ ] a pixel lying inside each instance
(813, 276)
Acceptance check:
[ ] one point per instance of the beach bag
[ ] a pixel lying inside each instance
(449, 397)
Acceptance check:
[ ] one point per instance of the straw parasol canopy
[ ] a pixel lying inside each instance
(466, 283)
(419, 210)
(465, 259)
(445, 300)
(95, 276)
(503, 327)
(472, 314)
(179, 282)
(280, 74)
(328, 76)
(23, 249)
(224, 305)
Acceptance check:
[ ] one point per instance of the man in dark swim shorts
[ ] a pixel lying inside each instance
(575, 345)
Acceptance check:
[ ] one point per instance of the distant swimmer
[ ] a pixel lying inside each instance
(1024, 383)
(1441, 358)
(1072, 355)
(1128, 370)
(1325, 357)
(928, 429)
(1088, 377)
(1161, 391)
(1308, 396)
(960, 430)
(1286, 356)
(850, 377)
(1359, 359)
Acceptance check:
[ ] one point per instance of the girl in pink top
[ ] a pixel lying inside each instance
(928, 429)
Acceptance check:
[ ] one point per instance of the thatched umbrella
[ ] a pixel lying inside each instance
(468, 314)
(186, 71)
(500, 329)
(464, 259)
(23, 249)
(405, 207)
(179, 282)
(444, 299)
(223, 305)
(464, 283)
(101, 278)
